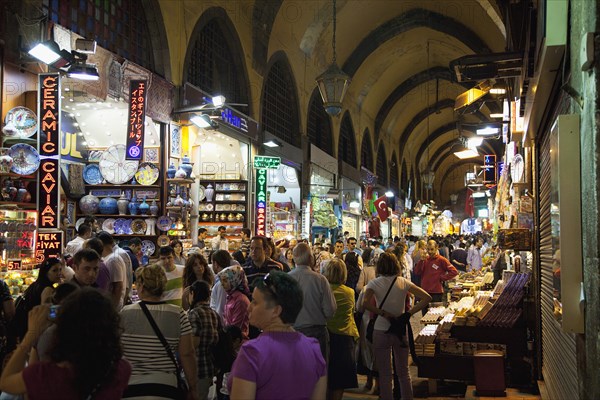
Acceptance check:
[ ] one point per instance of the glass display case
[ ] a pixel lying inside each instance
(18, 229)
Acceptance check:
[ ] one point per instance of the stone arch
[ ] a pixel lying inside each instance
(366, 151)
(347, 141)
(382, 166)
(394, 183)
(318, 125)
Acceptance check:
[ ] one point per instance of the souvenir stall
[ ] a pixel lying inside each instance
(283, 191)
(320, 200)
(350, 200)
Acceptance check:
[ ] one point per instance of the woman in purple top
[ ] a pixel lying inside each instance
(235, 284)
(280, 363)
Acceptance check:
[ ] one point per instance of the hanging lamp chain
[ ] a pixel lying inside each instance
(334, 28)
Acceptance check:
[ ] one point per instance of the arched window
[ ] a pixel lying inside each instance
(319, 124)
(382, 168)
(366, 151)
(119, 26)
(404, 177)
(394, 184)
(215, 60)
(280, 104)
(347, 143)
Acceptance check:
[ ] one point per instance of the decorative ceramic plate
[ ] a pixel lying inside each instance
(128, 230)
(209, 207)
(120, 226)
(148, 247)
(164, 223)
(109, 225)
(147, 174)
(201, 195)
(26, 159)
(138, 226)
(92, 174)
(163, 240)
(78, 223)
(3, 226)
(20, 122)
(115, 168)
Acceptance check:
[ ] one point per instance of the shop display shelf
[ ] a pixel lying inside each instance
(181, 181)
(127, 186)
(19, 140)
(17, 176)
(217, 223)
(222, 211)
(231, 201)
(125, 216)
(230, 191)
(14, 204)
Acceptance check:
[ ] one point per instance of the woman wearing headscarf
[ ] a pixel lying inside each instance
(235, 284)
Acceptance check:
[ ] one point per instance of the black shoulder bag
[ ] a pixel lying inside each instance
(182, 387)
(371, 325)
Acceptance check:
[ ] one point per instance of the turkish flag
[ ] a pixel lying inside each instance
(470, 204)
(382, 208)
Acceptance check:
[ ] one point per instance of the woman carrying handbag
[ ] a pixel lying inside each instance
(393, 288)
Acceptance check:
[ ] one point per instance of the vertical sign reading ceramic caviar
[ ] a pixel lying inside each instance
(261, 202)
(135, 123)
(49, 148)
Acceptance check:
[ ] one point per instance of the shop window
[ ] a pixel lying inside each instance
(382, 169)
(347, 144)
(76, 15)
(394, 175)
(213, 65)
(319, 124)
(366, 152)
(280, 107)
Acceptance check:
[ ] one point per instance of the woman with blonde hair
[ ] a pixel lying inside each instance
(155, 370)
(342, 332)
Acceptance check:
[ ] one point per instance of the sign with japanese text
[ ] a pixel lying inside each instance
(49, 244)
(49, 150)
(136, 120)
(267, 162)
(261, 202)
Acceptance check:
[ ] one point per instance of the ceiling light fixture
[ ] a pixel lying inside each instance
(488, 131)
(333, 83)
(464, 154)
(272, 143)
(389, 193)
(84, 72)
(497, 91)
(473, 142)
(497, 115)
(50, 53)
(218, 101)
(204, 121)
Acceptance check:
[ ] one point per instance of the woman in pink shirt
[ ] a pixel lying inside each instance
(235, 283)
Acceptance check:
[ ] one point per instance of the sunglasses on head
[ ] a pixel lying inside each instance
(270, 285)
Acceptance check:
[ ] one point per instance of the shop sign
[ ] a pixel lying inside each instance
(239, 122)
(267, 162)
(14, 265)
(49, 170)
(49, 244)
(71, 139)
(489, 168)
(49, 194)
(136, 120)
(261, 202)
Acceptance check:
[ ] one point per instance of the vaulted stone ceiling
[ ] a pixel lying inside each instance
(397, 53)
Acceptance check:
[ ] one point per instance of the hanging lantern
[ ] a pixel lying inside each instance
(427, 178)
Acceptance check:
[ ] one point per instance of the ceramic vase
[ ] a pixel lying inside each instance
(133, 206)
(209, 193)
(6, 161)
(89, 204)
(23, 196)
(108, 205)
(154, 208)
(144, 208)
(178, 201)
(186, 166)
(171, 171)
(122, 204)
(180, 174)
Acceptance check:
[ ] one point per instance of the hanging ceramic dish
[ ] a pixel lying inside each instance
(201, 195)
(20, 122)
(120, 226)
(26, 159)
(164, 223)
(78, 223)
(92, 174)
(147, 174)
(138, 226)
(115, 168)
(148, 247)
(109, 225)
(163, 240)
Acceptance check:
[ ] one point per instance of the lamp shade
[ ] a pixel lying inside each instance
(427, 178)
(453, 198)
(333, 84)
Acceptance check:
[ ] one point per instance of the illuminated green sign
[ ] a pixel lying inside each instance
(266, 162)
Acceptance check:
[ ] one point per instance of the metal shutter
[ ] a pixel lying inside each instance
(559, 358)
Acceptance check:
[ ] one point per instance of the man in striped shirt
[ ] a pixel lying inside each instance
(174, 289)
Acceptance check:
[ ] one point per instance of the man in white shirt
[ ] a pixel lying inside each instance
(220, 242)
(474, 258)
(84, 232)
(117, 269)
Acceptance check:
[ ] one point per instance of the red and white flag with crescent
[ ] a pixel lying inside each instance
(382, 208)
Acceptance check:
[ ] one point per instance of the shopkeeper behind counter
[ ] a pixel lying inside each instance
(434, 269)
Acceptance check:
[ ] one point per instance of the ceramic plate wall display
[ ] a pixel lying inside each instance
(164, 223)
(20, 122)
(121, 226)
(78, 223)
(26, 159)
(92, 175)
(148, 247)
(147, 173)
(109, 225)
(115, 168)
(163, 240)
(201, 195)
(138, 226)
